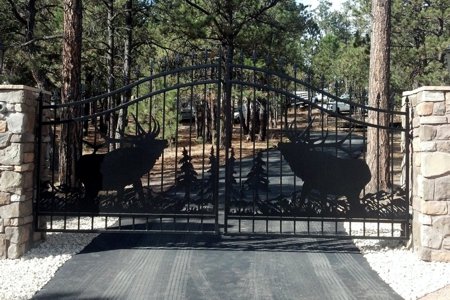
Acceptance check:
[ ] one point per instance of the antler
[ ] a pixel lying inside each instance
(141, 130)
(353, 153)
(155, 128)
(295, 137)
(321, 141)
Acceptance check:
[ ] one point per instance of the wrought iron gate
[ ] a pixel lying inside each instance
(157, 155)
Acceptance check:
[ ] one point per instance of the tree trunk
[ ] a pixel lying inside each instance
(123, 115)
(111, 78)
(70, 139)
(379, 74)
(39, 76)
(227, 129)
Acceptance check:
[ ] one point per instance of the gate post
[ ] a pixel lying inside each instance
(430, 171)
(18, 108)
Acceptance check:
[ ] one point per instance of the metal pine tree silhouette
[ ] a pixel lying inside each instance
(188, 176)
(235, 191)
(206, 193)
(257, 179)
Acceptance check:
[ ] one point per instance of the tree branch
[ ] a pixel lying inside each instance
(198, 7)
(16, 12)
(43, 38)
(255, 15)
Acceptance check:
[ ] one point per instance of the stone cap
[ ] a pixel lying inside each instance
(441, 88)
(12, 87)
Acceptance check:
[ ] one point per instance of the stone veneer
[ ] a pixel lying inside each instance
(430, 171)
(18, 107)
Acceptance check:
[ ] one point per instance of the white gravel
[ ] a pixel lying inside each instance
(396, 265)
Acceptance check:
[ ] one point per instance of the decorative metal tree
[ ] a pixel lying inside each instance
(187, 179)
(206, 192)
(257, 182)
(234, 189)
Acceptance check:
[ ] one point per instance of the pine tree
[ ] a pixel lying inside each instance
(379, 78)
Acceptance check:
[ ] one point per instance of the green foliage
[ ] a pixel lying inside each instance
(420, 33)
(332, 44)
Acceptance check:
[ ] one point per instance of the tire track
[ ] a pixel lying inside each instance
(176, 287)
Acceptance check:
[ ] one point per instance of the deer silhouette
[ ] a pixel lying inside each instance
(121, 167)
(324, 172)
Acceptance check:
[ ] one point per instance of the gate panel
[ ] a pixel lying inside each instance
(141, 158)
(298, 167)
(152, 157)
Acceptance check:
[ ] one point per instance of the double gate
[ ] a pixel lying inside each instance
(203, 144)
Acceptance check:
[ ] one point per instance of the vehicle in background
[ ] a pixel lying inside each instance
(187, 112)
(337, 106)
(300, 99)
(319, 98)
(236, 115)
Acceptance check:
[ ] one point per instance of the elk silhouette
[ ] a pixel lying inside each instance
(121, 167)
(324, 172)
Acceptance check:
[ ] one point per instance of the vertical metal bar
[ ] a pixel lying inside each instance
(391, 162)
(253, 137)
(150, 111)
(308, 225)
(163, 129)
(295, 123)
(378, 164)
(241, 114)
(201, 223)
(228, 126)
(407, 164)
(191, 104)
(217, 119)
(364, 228)
(336, 91)
(285, 125)
(137, 109)
(150, 104)
(204, 119)
(321, 226)
(350, 227)
(37, 196)
(177, 112)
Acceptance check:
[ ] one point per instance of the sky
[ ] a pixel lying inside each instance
(336, 3)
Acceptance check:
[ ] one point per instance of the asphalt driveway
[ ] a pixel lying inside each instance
(157, 266)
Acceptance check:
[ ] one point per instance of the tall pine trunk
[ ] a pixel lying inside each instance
(70, 138)
(122, 118)
(111, 65)
(379, 74)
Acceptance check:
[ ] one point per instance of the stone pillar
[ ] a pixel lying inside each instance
(430, 171)
(18, 108)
